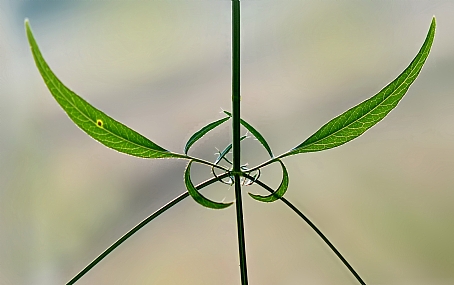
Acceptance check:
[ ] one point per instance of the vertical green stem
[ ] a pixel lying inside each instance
(236, 135)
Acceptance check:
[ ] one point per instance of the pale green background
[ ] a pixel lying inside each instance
(386, 200)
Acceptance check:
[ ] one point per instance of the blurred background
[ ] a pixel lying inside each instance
(386, 199)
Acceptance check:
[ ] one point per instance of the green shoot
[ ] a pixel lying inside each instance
(340, 130)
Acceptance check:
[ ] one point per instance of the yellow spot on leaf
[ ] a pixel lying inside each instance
(99, 123)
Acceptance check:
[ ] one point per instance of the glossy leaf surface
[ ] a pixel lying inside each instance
(199, 134)
(199, 198)
(279, 192)
(360, 118)
(94, 122)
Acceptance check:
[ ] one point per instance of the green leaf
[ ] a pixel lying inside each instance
(199, 198)
(255, 133)
(95, 123)
(279, 192)
(226, 150)
(360, 118)
(199, 134)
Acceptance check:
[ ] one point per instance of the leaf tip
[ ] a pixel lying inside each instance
(27, 25)
(252, 195)
(227, 205)
(264, 199)
(28, 30)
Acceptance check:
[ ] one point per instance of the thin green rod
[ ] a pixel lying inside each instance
(205, 162)
(236, 136)
(306, 219)
(141, 225)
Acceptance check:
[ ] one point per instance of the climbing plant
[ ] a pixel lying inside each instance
(226, 168)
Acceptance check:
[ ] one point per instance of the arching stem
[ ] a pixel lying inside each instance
(139, 226)
(314, 227)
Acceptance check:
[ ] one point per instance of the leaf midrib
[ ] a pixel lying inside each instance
(86, 116)
(392, 93)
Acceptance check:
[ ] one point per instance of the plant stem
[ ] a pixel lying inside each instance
(195, 159)
(141, 225)
(313, 226)
(236, 135)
